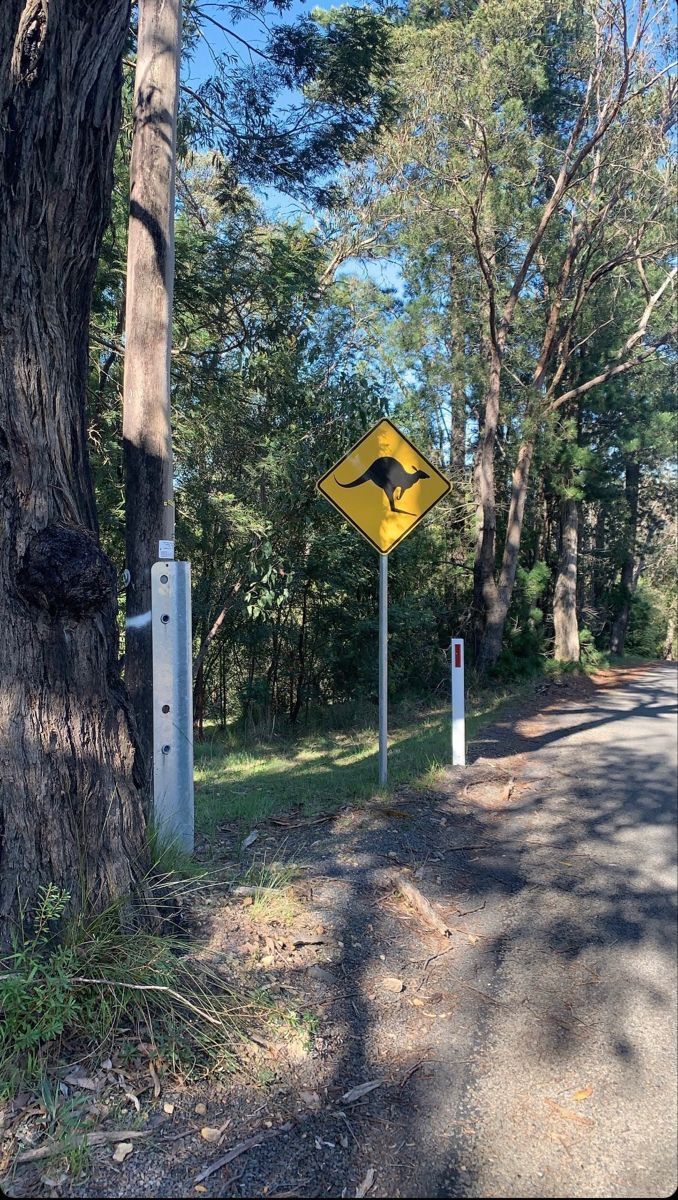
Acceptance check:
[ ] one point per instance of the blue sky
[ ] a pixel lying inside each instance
(254, 29)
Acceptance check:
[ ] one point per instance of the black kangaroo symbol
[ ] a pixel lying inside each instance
(390, 476)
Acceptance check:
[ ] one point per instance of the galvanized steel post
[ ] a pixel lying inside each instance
(383, 669)
(172, 703)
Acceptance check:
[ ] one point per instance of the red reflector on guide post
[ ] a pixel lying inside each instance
(457, 655)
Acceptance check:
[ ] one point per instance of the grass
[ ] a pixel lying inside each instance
(66, 998)
(273, 899)
(247, 782)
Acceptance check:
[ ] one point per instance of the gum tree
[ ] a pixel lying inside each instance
(70, 808)
(534, 142)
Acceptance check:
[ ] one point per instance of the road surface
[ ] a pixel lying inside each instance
(573, 1088)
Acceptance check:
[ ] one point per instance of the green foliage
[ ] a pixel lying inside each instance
(36, 999)
(69, 984)
(590, 656)
(523, 652)
(648, 623)
(286, 350)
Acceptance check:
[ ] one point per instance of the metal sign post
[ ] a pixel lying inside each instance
(458, 718)
(172, 702)
(383, 669)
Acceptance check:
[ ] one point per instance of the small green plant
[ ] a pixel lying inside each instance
(304, 1025)
(590, 657)
(70, 994)
(37, 1003)
(272, 900)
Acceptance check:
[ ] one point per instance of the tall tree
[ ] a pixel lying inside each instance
(70, 809)
(147, 431)
(254, 138)
(537, 143)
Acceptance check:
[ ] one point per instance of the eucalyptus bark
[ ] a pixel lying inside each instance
(565, 596)
(628, 573)
(70, 806)
(147, 438)
(485, 594)
(670, 639)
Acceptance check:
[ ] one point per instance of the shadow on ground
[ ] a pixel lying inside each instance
(554, 864)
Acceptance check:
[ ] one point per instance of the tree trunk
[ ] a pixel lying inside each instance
(70, 806)
(628, 577)
(499, 602)
(565, 597)
(199, 703)
(147, 437)
(669, 641)
(485, 595)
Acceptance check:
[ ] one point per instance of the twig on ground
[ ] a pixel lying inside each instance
(429, 960)
(186, 1133)
(241, 1148)
(408, 1074)
(419, 902)
(349, 1127)
(153, 987)
(454, 849)
(467, 911)
(98, 1138)
(490, 999)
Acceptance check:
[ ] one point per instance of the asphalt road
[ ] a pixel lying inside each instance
(573, 1086)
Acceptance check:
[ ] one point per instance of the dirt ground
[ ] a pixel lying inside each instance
(370, 1094)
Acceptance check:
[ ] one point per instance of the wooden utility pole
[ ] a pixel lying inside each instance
(147, 434)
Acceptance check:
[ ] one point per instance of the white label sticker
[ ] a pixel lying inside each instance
(166, 549)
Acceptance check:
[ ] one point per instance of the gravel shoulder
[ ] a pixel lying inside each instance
(531, 1052)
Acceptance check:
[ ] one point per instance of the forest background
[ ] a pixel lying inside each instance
(321, 284)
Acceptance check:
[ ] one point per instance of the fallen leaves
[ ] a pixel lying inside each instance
(83, 1081)
(361, 1090)
(250, 839)
(121, 1151)
(567, 1114)
(212, 1133)
(366, 1184)
(582, 1093)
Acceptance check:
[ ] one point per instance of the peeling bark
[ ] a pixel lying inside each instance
(628, 573)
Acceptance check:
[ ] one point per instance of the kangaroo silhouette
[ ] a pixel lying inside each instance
(390, 476)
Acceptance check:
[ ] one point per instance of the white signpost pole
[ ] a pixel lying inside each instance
(458, 718)
(172, 701)
(383, 669)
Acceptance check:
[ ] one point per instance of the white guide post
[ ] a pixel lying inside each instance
(458, 717)
(172, 702)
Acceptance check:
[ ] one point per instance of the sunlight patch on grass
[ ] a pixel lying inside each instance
(326, 770)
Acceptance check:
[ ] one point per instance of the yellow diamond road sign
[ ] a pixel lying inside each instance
(383, 486)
